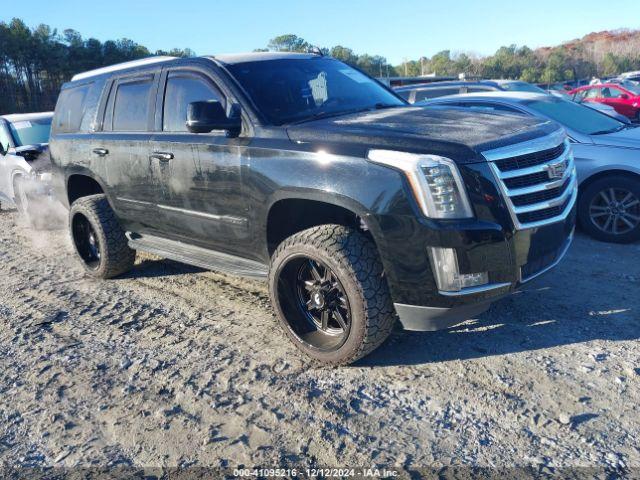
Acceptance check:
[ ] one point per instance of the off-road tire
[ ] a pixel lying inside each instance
(355, 261)
(116, 257)
(612, 181)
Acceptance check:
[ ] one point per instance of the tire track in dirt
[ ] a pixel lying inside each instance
(171, 365)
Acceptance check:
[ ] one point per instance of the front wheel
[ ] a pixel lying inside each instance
(329, 292)
(609, 209)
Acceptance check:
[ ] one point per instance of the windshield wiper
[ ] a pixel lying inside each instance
(321, 115)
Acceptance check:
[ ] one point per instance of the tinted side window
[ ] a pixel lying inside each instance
(70, 109)
(132, 105)
(435, 92)
(182, 89)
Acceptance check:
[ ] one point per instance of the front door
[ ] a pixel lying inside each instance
(619, 100)
(200, 174)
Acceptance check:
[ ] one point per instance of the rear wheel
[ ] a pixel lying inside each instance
(328, 289)
(98, 238)
(609, 209)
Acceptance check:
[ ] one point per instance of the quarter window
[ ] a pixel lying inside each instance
(70, 109)
(132, 105)
(181, 90)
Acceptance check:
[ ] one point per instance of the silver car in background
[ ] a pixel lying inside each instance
(607, 157)
(24, 160)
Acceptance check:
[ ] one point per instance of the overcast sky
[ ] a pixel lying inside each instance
(395, 29)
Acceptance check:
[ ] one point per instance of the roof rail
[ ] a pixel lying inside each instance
(121, 66)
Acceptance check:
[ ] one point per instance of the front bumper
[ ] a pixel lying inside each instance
(476, 300)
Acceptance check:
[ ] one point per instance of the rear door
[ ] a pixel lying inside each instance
(200, 173)
(123, 147)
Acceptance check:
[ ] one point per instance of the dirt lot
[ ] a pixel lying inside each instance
(175, 366)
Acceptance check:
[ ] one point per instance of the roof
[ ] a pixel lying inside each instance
(228, 59)
(234, 58)
(499, 95)
(25, 117)
(121, 66)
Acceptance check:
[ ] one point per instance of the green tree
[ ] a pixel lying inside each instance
(288, 43)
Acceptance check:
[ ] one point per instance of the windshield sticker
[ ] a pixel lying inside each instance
(21, 125)
(355, 75)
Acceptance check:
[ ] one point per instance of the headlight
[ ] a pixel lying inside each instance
(435, 181)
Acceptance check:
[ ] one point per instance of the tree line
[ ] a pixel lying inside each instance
(35, 62)
(596, 55)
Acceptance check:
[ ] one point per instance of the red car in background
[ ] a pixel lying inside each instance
(625, 99)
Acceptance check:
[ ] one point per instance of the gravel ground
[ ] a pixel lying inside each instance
(176, 366)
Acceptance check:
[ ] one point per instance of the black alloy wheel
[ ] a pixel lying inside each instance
(329, 292)
(323, 317)
(86, 241)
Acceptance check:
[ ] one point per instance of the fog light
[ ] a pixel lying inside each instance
(444, 263)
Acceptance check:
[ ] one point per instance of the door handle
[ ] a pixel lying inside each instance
(101, 152)
(162, 156)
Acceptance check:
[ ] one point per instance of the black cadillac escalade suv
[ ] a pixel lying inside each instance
(299, 169)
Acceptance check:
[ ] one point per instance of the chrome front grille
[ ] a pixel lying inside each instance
(537, 179)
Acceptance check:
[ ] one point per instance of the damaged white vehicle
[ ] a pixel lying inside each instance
(25, 168)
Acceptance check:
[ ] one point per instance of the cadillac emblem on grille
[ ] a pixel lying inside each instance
(557, 170)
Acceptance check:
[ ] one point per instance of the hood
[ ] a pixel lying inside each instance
(627, 138)
(454, 133)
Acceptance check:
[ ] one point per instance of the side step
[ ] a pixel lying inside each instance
(198, 256)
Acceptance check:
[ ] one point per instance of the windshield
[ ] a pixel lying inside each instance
(576, 117)
(521, 87)
(30, 132)
(294, 90)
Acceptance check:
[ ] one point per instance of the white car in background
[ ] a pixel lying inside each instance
(24, 161)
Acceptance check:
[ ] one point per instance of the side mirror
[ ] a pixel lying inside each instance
(3, 151)
(624, 96)
(203, 117)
